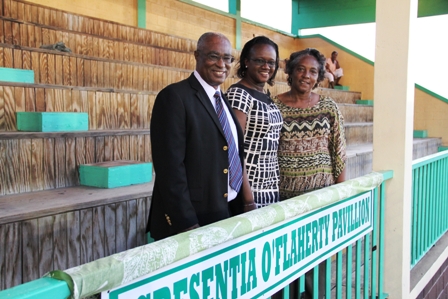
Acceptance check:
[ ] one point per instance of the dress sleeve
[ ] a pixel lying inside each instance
(239, 99)
(338, 143)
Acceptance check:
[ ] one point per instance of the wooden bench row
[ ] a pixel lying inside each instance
(42, 161)
(31, 35)
(67, 227)
(37, 14)
(53, 67)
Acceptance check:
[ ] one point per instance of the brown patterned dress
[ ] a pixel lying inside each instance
(311, 151)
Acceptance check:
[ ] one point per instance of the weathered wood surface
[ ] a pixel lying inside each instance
(26, 206)
(105, 111)
(61, 238)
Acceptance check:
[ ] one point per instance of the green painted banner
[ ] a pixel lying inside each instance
(261, 263)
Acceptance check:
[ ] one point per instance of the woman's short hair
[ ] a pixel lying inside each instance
(245, 54)
(295, 57)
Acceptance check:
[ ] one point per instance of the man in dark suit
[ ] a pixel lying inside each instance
(190, 150)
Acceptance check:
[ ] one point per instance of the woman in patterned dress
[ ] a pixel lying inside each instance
(259, 117)
(312, 141)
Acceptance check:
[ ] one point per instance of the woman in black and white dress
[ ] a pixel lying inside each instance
(259, 117)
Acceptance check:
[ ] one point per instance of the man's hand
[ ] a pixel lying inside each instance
(249, 207)
(190, 228)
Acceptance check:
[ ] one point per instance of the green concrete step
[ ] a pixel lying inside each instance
(342, 87)
(115, 174)
(52, 121)
(365, 102)
(16, 75)
(420, 134)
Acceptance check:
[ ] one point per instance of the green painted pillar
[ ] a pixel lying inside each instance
(235, 9)
(295, 17)
(141, 13)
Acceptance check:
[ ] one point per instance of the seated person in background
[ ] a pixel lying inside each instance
(333, 70)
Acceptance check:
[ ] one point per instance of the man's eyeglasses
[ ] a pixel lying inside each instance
(227, 59)
(261, 62)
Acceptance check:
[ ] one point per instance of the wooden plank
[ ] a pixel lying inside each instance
(70, 162)
(80, 155)
(91, 100)
(51, 72)
(131, 241)
(35, 66)
(46, 249)
(113, 103)
(60, 255)
(8, 59)
(30, 99)
(67, 100)
(119, 82)
(26, 60)
(3, 172)
(73, 239)
(90, 150)
(96, 47)
(116, 148)
(80, 72)
(133, 148)
(98, 230)
(141, 221)
(86, 233)
(66, 74)
(17, 58)
(7, 27)
(12, 166)
(100, 70)
(87, 73)
(59, 66)
(59, 162)
(49, 164)
(99, 149)
(19, 97)
(11, 239)
(30, 256)
(145, 107)
(40, 100)
(43, 68)
(94, 73)
(134, 111)
(103, 110)
(25, 162)
(55, 101)
(125, 147)
(73, 74)
(37, 168)
(109, 230)
(106, 74)
(121, 226)
(108, 148)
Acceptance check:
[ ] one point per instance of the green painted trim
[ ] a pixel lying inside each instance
(387, 174)
(141, 14)
(428, 159)
(442, 148)
(42, 288)
(420, 134)
(339, 46)
(16, 75)
(365, 102)
(437, 96)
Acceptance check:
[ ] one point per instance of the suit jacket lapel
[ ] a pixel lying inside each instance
(203, 98)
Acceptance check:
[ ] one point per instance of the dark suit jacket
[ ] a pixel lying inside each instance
(189, 155)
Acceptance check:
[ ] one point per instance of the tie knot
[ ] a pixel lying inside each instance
(217, 95)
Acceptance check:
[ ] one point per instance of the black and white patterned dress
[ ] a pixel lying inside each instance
(261, 137)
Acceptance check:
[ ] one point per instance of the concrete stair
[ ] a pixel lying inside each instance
(358, 122)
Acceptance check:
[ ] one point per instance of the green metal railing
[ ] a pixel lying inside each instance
(356, 263)
(429, 203)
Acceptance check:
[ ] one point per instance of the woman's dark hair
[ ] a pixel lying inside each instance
(245, 54)
(295, 57)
